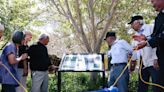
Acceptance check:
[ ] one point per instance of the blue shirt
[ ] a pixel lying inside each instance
(0, 73)
(6, 77)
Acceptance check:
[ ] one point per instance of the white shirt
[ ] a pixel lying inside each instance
(148, 53)
(119, 52)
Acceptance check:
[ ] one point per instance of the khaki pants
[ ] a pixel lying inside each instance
(23, 80)
(39, 81)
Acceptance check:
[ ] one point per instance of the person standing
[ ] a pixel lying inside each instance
(39, 64)
(147, 54)
(23, 65)
(1, 30)
(11, 59)
(157, 40)
(1, 34)
(119, 52)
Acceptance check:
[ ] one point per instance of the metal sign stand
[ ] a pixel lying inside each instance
(74, 71)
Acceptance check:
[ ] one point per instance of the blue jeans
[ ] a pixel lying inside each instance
(123, 82)
(146, 74)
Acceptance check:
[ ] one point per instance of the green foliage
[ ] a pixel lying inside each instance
(38, 23)
(29, 82)
(80, 82)
(133, 84)
(52, 83)
(17, 15)
(71, 82)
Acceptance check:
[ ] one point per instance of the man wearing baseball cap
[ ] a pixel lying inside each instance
(119, 52)
(147, 55)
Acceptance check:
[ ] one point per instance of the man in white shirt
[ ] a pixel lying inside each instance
(148, 54)
(119, 52)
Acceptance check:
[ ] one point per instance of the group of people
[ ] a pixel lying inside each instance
(149, 43)
(17, 56)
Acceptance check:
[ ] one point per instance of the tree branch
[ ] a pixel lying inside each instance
(99, 23)
(92, 20)
(71, 17)
(62, 8)
(62, 12)
(109, 19)
(84, 37)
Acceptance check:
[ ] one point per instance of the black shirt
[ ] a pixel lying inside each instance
(22, 49)
(157, 38)
(39, 59)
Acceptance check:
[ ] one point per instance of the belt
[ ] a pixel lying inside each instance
(118, 64)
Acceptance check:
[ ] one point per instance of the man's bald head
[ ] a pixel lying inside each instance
(26, 32)
(28, 36)
(158, 4)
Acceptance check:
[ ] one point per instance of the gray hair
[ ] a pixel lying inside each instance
(27, 32)
(43, 36)
(2, 28)
(140, 21)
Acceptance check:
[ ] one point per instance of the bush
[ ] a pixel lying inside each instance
(80, 82)
(74, 82)
(133, 84)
